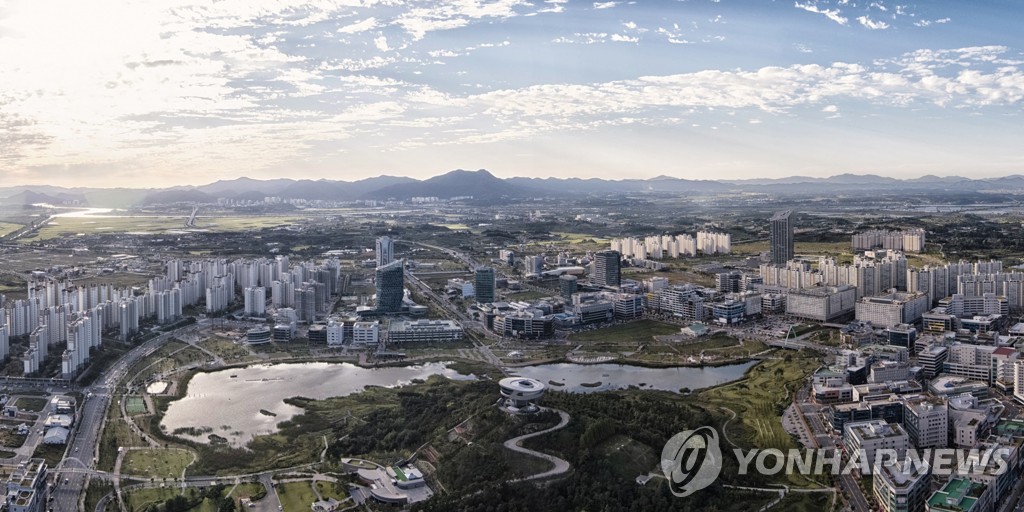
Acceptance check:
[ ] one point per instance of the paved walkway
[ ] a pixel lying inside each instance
(561, 466)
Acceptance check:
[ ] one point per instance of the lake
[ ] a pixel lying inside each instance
(238, 404)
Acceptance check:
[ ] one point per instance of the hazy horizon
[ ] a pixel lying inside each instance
(155, 94)
(426, 177)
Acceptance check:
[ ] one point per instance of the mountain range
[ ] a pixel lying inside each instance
(484, 187)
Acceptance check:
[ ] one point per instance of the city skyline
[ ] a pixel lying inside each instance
(156, 94)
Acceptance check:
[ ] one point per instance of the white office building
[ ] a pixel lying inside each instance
(873, 435)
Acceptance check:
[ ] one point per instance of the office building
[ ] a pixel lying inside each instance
(385, 251)
(524, 324)
(781, 237)
(607, 268)
(892, 309)
(926, 421)
(822, 303)
(428, 331)
(365, 333)
(567, 286)
(873, 435)
(899, 488)
(390, 287)
(484, 285)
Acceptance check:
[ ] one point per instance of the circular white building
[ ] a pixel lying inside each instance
(520, 393)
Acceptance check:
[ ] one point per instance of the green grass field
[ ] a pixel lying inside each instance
(72, 226)
(226, 349)
(135, 405)
(156, 463)
(639, 331)
(758, 401)
(141, 499)
(334, 490)
(7, 228)
(248, 490)
(295, 496)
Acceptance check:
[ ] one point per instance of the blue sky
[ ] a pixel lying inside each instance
(167, 92)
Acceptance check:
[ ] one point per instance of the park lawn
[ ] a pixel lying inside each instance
(334, 490)
(116, 433)
(156, 463)
(641, 331)
(295, 496)
(140, 499)
(225, 348)
(248, 490)
(759, 400)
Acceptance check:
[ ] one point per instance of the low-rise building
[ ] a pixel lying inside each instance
(366, 333)
(26, 487)
(901, 489)
(873, 435)
(961, 495)
(429, 331)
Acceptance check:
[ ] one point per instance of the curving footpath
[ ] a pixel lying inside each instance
(561, 466)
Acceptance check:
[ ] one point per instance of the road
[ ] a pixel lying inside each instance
(561, 466)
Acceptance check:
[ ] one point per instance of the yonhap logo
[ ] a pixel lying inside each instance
(691, 460)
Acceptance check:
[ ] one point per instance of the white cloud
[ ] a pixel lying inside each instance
(381, 43)
(359, 26)
(830, 108)
(872, 24)
(605, 5)
(833, 15)
(621, 38)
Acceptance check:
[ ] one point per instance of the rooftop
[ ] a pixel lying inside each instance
(957, 495)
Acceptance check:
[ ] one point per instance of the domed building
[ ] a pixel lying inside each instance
(521, 393)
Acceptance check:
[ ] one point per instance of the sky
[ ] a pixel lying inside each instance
(154, 93)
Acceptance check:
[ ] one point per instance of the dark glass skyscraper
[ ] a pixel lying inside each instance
(782, 237)
(484, 285)
(390, 287)
(607, 268)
